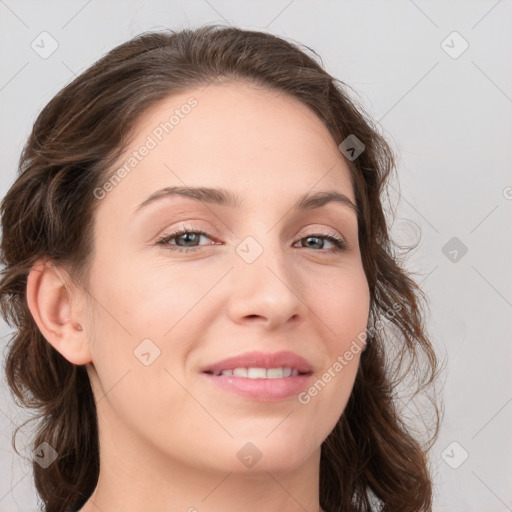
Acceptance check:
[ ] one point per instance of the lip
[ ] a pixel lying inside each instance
(262, 390)
(262, 360)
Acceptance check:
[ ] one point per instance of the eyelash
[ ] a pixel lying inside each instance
(339, 244)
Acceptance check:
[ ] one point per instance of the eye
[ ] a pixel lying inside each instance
(316, 239)
(187, 240)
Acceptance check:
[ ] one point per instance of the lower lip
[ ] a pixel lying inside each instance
(263, 390)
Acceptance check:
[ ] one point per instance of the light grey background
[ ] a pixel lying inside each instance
(449, 119)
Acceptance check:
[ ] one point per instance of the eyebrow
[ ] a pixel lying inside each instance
(223, 197)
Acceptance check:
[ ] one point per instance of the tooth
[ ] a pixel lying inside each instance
(257, 373)
(274, 373)
(240, 372)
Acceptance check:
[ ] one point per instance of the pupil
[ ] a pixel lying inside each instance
(314, 238)
(188, 237)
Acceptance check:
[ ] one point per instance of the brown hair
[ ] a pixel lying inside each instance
(372, 457)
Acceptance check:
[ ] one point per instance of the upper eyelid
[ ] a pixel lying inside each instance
(344, 224)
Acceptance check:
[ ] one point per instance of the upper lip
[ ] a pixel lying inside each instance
(284, 359)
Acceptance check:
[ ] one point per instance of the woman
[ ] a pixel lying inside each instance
(209, 311)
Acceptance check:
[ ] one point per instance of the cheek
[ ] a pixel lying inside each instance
(140, 344)
(146, 322)
(343, 309)
(142, 299)
(341, 301)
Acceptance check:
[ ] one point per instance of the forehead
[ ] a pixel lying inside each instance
(252, 140)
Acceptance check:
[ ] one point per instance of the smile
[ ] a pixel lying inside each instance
(259, 373)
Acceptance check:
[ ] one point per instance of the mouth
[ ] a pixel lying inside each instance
(259, 373)
(262, 377)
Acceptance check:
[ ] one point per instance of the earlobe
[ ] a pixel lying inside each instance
(51, 307)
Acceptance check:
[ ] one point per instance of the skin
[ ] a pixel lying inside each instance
(168, 437)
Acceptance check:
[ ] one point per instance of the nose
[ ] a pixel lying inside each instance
(267, 292)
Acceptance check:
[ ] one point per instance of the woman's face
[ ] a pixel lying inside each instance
(265, 276)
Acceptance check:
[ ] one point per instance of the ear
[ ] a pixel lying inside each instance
(58, 320)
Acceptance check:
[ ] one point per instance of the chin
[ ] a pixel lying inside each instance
(262, 455)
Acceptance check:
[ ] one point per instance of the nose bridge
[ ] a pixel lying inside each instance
(261, 248)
